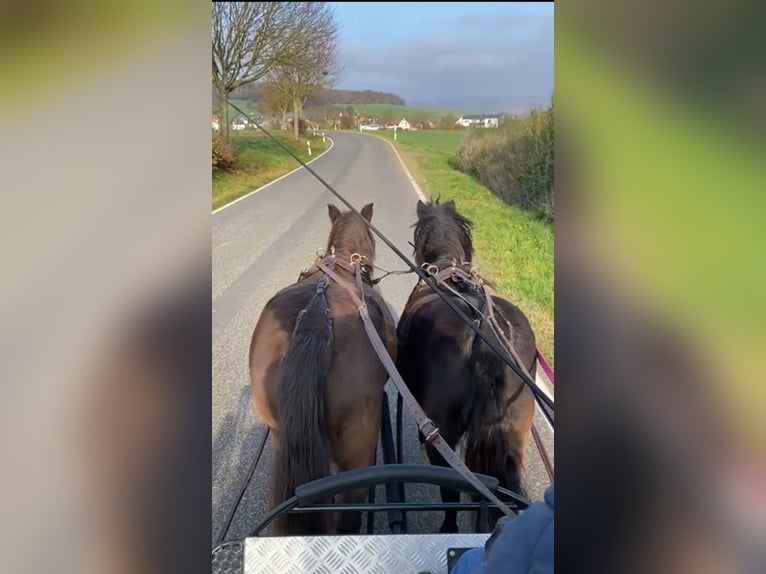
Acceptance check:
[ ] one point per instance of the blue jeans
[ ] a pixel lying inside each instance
(469, 561)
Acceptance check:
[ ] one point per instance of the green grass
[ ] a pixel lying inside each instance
(401, 111)
(514, 249)
(243, 105)
(427, 141)
(260, 161)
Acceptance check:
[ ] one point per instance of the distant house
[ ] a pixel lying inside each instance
(216, 124)
(479, 120)
(404, 125)
(239, 123)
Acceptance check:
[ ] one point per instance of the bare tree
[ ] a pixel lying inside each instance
(249, 40)
(314, 56)
(275, 103)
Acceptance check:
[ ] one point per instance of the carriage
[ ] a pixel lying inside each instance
(394, 549)
(390, 548)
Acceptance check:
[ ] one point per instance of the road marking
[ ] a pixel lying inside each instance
(414, 183)
(332, 143)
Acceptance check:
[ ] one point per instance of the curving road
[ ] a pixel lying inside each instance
(260, 244)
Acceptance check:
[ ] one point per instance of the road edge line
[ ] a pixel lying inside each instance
(264, 186)
(414, 183)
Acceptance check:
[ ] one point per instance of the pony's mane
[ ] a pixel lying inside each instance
(442, 233)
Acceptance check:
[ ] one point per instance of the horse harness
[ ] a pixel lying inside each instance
(426, 426)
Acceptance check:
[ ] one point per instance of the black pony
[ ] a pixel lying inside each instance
(463, 386)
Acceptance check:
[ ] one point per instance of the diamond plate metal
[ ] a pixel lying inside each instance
(228, 558)
(376, 554)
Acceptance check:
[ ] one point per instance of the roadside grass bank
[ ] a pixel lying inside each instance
(514, 248)
(259, 161)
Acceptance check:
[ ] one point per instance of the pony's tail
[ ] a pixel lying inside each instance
(302, 453)
(489, 447)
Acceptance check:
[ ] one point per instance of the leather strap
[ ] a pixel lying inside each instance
(426, 426)
(543, 453)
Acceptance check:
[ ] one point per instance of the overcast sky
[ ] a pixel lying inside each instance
(478, 56)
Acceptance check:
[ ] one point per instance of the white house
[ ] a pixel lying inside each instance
(216, 125)
(479, 120)
(239, 123)
(404, 125)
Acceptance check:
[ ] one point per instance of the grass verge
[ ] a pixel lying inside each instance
(400, 112)
(260, 161)
(514, 249)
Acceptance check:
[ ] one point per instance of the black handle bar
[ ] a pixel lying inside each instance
(326, 487)
(367, 476)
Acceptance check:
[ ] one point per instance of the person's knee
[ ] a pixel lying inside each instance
(469, 561)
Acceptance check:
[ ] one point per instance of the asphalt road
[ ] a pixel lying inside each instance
(260, 245)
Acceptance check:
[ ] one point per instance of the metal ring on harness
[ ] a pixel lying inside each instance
(356, 258)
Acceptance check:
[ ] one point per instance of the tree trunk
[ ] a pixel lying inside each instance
(284, 119)
(223, 114)
(297, 118)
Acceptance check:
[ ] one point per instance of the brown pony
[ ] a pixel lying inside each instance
(463, 386)
(316, 379)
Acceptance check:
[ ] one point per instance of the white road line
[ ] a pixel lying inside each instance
(414, 183)
(332, 143)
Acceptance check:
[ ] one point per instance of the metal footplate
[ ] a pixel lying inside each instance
(374, 554)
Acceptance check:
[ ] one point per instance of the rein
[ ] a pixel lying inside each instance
(425, 425)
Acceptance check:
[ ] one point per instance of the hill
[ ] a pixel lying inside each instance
(324, 96)
(245, 105)
(385, 107)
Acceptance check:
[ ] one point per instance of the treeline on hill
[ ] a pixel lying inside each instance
(324, 96)
(515, 161)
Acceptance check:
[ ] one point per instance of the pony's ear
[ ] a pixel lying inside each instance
(421, 209)
(367, 212)
(333, 211)
(450, 205)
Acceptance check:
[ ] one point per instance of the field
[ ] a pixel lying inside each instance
(401, 111)
(514, 249)
(244, 105)
(260, 161)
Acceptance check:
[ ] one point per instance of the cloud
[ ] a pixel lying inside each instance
(506, 57)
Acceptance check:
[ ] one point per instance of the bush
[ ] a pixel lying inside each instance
(346, 122)
(515, 161)
(224, 158)
(302, 126)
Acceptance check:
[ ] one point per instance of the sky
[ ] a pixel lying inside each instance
(477, 56)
